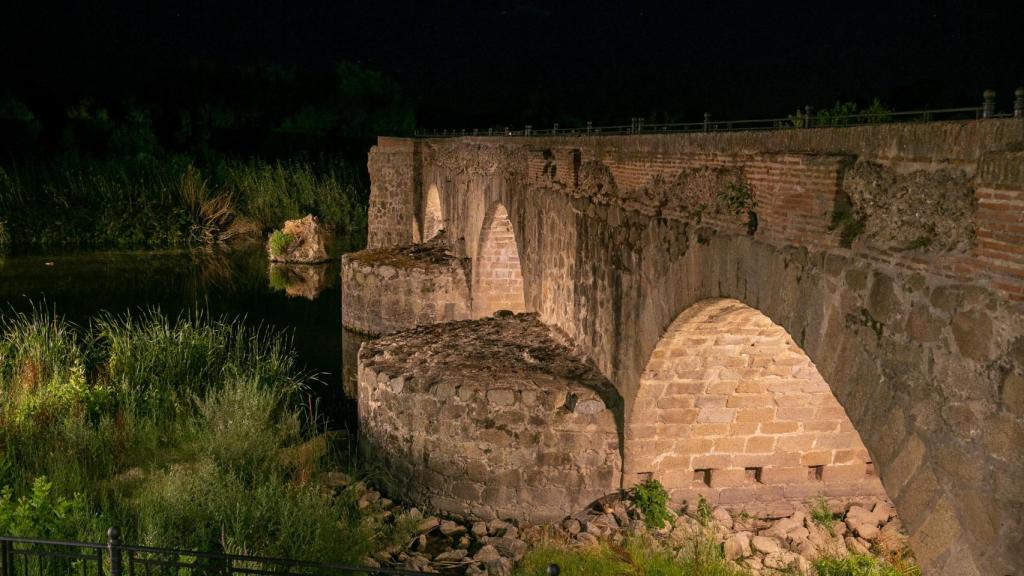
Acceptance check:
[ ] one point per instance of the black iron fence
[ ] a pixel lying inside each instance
(34, 557)
(807, 118)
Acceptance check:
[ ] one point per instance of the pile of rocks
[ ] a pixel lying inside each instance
(761, 546)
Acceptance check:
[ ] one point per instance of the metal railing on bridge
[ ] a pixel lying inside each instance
(806, 118)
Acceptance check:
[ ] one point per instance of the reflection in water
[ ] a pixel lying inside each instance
(231, 282)
(300, 280)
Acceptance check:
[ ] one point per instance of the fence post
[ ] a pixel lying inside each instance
(808, 116)
(1018, 103)
(988, 106)
(640, 124)
(590, 126)
(114, 546)
(528, 129)
(6, 558)
(554, 130)
(707, 121)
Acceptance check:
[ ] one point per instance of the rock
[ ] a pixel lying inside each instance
(854, 546)
(300, 241)
(765, 544)
(737, 547)
(799, 534)
(427, 525)
(449, 528)
(586, 539)
(509, 547)
(451, 556)
(722, 516)
(499, 567)
(883, 511)
(572, 526)
(783, 527)
(779, 560)
(298, 280)
(497, 527)
(866, 530)
(487, 554)
(479, 529)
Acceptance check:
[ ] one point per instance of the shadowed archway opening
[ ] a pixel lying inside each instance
(433, 219)
(731, 409)
(497, 275)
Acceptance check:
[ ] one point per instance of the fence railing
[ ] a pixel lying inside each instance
(35, 557)
(807, 118)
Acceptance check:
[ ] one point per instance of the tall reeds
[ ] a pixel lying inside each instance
(146, 202)
(190, 432)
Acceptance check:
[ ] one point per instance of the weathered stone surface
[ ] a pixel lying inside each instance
(503, 456)
(610, 257)
(386, 290)
(306, 245)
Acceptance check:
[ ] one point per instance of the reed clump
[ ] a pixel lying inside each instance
(190, 432)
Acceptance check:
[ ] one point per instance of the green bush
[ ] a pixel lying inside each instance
(279, 242)
(651, 498)
(41, 513)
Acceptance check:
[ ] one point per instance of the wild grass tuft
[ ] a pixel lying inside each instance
(188, 433)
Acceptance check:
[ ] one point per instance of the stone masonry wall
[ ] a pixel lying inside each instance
(489, 418)
(919, 339)
(731, 409)
(385, 290)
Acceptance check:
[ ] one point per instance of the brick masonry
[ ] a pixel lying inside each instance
(730, 408)
(920, 339)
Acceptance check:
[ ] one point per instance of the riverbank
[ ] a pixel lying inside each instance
(168, 201)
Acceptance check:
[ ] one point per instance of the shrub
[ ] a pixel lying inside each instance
(280, 242)
(42, 513)
(651, 498)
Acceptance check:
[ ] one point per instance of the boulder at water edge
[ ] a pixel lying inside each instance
(300, 241)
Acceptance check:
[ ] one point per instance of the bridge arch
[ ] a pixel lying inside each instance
(433, 215)
(497, 272)
(730, 408)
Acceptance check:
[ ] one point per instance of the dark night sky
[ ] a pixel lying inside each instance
(480, 62)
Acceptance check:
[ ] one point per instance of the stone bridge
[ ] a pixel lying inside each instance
(756, 299)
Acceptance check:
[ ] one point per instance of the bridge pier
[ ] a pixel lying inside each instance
(889, 254)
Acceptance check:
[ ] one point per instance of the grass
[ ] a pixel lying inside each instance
(159, 202)
(863, 565)
(190, 432)
(822, 515)
(638, 556)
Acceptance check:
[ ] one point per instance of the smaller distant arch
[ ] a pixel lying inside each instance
(433, 217)
(497, 273)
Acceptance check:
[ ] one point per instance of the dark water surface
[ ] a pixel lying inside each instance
(232, 282)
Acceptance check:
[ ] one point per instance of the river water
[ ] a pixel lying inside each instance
(235, 282)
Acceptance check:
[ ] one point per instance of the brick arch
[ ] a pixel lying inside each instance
(731, 408)
(433, 216)
(497, 273)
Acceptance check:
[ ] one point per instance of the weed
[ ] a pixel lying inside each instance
(822, 515)
(651, 499)
(280, 242)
